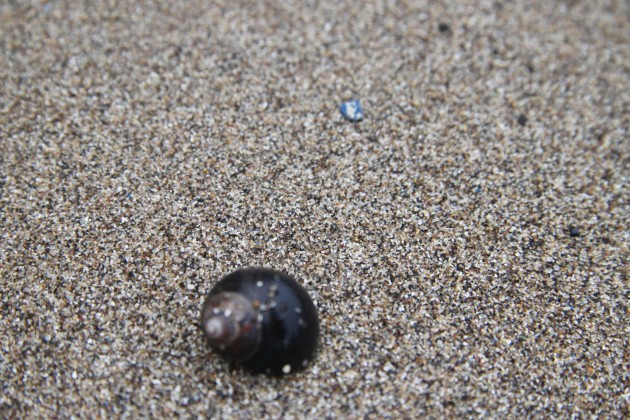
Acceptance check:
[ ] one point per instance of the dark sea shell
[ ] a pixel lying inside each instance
(261, 319)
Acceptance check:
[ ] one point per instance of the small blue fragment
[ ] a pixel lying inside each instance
(352, 111)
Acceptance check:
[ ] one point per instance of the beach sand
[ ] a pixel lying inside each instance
(466, 244)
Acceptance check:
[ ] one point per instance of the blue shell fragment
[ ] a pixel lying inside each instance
(352, 110)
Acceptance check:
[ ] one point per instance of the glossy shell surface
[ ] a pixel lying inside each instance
(283, 315)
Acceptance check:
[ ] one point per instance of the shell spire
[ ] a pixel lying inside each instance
(230, 324)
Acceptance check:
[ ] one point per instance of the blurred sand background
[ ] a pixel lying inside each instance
(466, 244)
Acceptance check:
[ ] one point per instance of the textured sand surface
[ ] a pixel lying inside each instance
(466, 244)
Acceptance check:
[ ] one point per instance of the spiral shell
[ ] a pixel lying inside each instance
(261, 319)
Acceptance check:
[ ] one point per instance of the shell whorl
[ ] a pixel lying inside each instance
(230, 324)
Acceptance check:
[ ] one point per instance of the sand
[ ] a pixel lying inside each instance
(466, 244)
